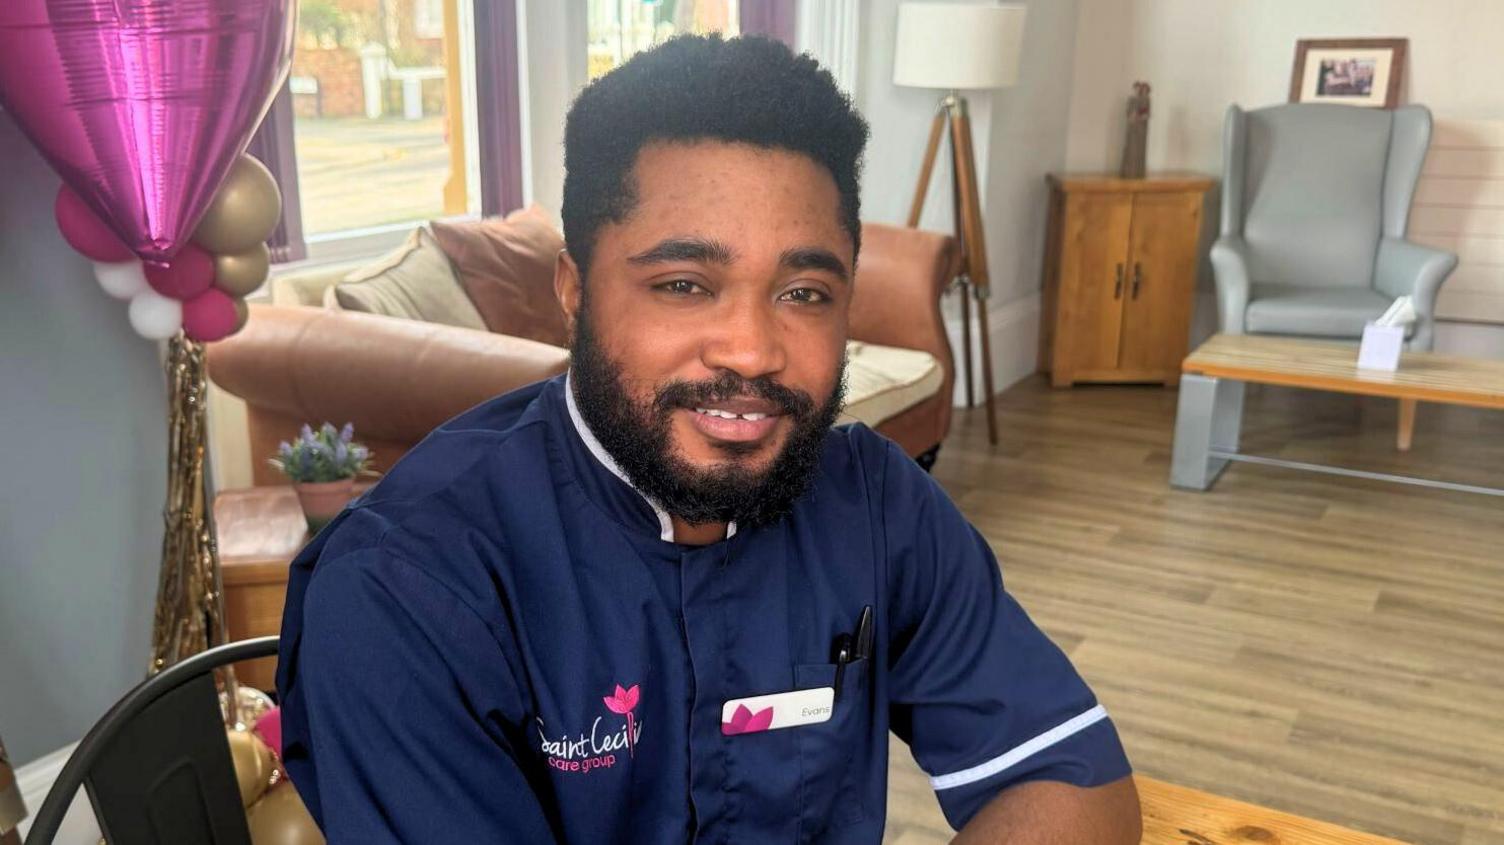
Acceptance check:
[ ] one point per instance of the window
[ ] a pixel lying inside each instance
(619, 28)
(383, 104)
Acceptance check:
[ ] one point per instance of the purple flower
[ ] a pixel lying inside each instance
(347, 433)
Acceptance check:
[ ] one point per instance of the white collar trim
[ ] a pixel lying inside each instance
(665, 523)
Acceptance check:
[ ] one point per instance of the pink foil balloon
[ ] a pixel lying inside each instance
(190, 273)
(210, 316)
(85, 232)
(142, 105)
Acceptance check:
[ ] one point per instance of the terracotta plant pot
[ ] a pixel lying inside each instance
(322, 501)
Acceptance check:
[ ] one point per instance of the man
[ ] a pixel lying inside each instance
(660, 599)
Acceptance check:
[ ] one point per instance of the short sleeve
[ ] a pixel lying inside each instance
(395, 723)
(982, 697)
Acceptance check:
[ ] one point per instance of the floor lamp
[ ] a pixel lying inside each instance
(955, 47)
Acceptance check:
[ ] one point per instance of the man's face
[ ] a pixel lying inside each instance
(712, 327)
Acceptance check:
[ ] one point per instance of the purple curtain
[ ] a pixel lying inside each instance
(773, 18)
(273, 145)
(499, 105)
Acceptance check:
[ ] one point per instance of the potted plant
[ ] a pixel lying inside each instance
(323, 466)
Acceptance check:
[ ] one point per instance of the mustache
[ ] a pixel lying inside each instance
(729, 385)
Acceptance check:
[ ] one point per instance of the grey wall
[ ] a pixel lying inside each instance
(82, 475)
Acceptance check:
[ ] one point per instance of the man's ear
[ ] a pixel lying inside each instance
(567, 288)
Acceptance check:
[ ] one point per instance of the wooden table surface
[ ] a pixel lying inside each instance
(1179, 815)
(1333, 365)
(260, 530)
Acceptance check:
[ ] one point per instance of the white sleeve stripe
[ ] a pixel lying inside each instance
(1021, 752)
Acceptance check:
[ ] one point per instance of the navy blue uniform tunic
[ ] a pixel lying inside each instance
(500, 642)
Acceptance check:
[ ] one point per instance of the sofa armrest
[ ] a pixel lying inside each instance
(396, 380)
(1230, 272)
(1409, 269)
(900, 277)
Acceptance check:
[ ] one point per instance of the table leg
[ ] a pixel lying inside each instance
(1407, 425)
(1208, 421)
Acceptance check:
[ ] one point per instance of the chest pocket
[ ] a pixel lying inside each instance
(835, 755)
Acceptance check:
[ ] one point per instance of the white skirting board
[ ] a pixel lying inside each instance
(36, 778)
(1014, 327)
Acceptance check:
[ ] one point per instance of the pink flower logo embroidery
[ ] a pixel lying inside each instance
(744, 721)
(623, 702)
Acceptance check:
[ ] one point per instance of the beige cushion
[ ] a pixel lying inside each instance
(414, 281)
(306, 285)
(883, 381)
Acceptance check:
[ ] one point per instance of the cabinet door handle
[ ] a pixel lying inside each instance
(1117, 290)
(1138, 278)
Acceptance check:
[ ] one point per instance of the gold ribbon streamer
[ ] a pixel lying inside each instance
(190, 612)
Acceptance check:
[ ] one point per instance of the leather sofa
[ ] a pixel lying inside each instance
(397, 379)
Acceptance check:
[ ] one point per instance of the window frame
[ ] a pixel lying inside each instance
(498, 134)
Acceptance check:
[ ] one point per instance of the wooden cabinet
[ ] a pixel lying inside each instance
(1119, 277)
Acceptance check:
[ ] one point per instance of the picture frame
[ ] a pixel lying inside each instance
(1349, 71)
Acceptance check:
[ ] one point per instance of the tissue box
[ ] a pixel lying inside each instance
(1381, 347)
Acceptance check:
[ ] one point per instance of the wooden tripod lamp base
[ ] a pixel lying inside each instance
(973, 281)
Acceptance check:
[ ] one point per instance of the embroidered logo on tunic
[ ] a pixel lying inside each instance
(623, 703)
(587, 752)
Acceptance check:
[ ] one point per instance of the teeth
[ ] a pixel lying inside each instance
(727, 415)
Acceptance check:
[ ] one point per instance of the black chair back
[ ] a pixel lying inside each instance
(157, 767)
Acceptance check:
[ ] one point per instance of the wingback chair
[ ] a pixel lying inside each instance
(1315, 202)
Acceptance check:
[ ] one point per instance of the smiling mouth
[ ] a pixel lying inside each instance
(737, 421)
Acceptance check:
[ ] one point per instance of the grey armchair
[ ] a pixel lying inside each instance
(1315, 203)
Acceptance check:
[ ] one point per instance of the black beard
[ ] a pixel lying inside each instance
(637, 435)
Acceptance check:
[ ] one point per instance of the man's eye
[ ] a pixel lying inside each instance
(807, 296)
(681, 287)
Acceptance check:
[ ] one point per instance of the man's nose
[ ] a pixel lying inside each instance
(746, 340)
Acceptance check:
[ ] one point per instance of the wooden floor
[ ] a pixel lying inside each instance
(1327, 646)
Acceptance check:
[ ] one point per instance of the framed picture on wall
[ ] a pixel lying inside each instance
(1352, 71)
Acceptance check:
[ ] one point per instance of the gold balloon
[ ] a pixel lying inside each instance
(252, 704)
(244, 212)
(254, 764)
(280, 818)
(240, 273)
(242, 315)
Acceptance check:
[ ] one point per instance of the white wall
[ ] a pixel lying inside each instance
(552, 54)
(1020, 135)
(1201, 55)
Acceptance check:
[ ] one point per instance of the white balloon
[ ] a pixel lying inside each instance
(154, 316)
(122, 280)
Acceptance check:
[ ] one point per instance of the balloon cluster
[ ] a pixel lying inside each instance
(274, 811)
(200, 290)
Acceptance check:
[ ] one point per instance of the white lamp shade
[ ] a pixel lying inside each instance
(958, 45)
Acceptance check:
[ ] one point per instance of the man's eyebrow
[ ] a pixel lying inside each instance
(814, 258)
(703, 250)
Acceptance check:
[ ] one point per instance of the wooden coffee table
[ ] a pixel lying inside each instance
(1210, 413)
(1179, 815)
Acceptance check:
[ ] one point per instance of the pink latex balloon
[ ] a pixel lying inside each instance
(142, 105)
(85, 232)
(269, 728)
(210, 316)
(189, 274)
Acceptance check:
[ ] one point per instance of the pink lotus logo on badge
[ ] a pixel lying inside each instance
(623, 703)
(744, 721)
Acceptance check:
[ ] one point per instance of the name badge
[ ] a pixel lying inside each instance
(779, 710)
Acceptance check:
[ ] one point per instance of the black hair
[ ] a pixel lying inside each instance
(748, 90)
